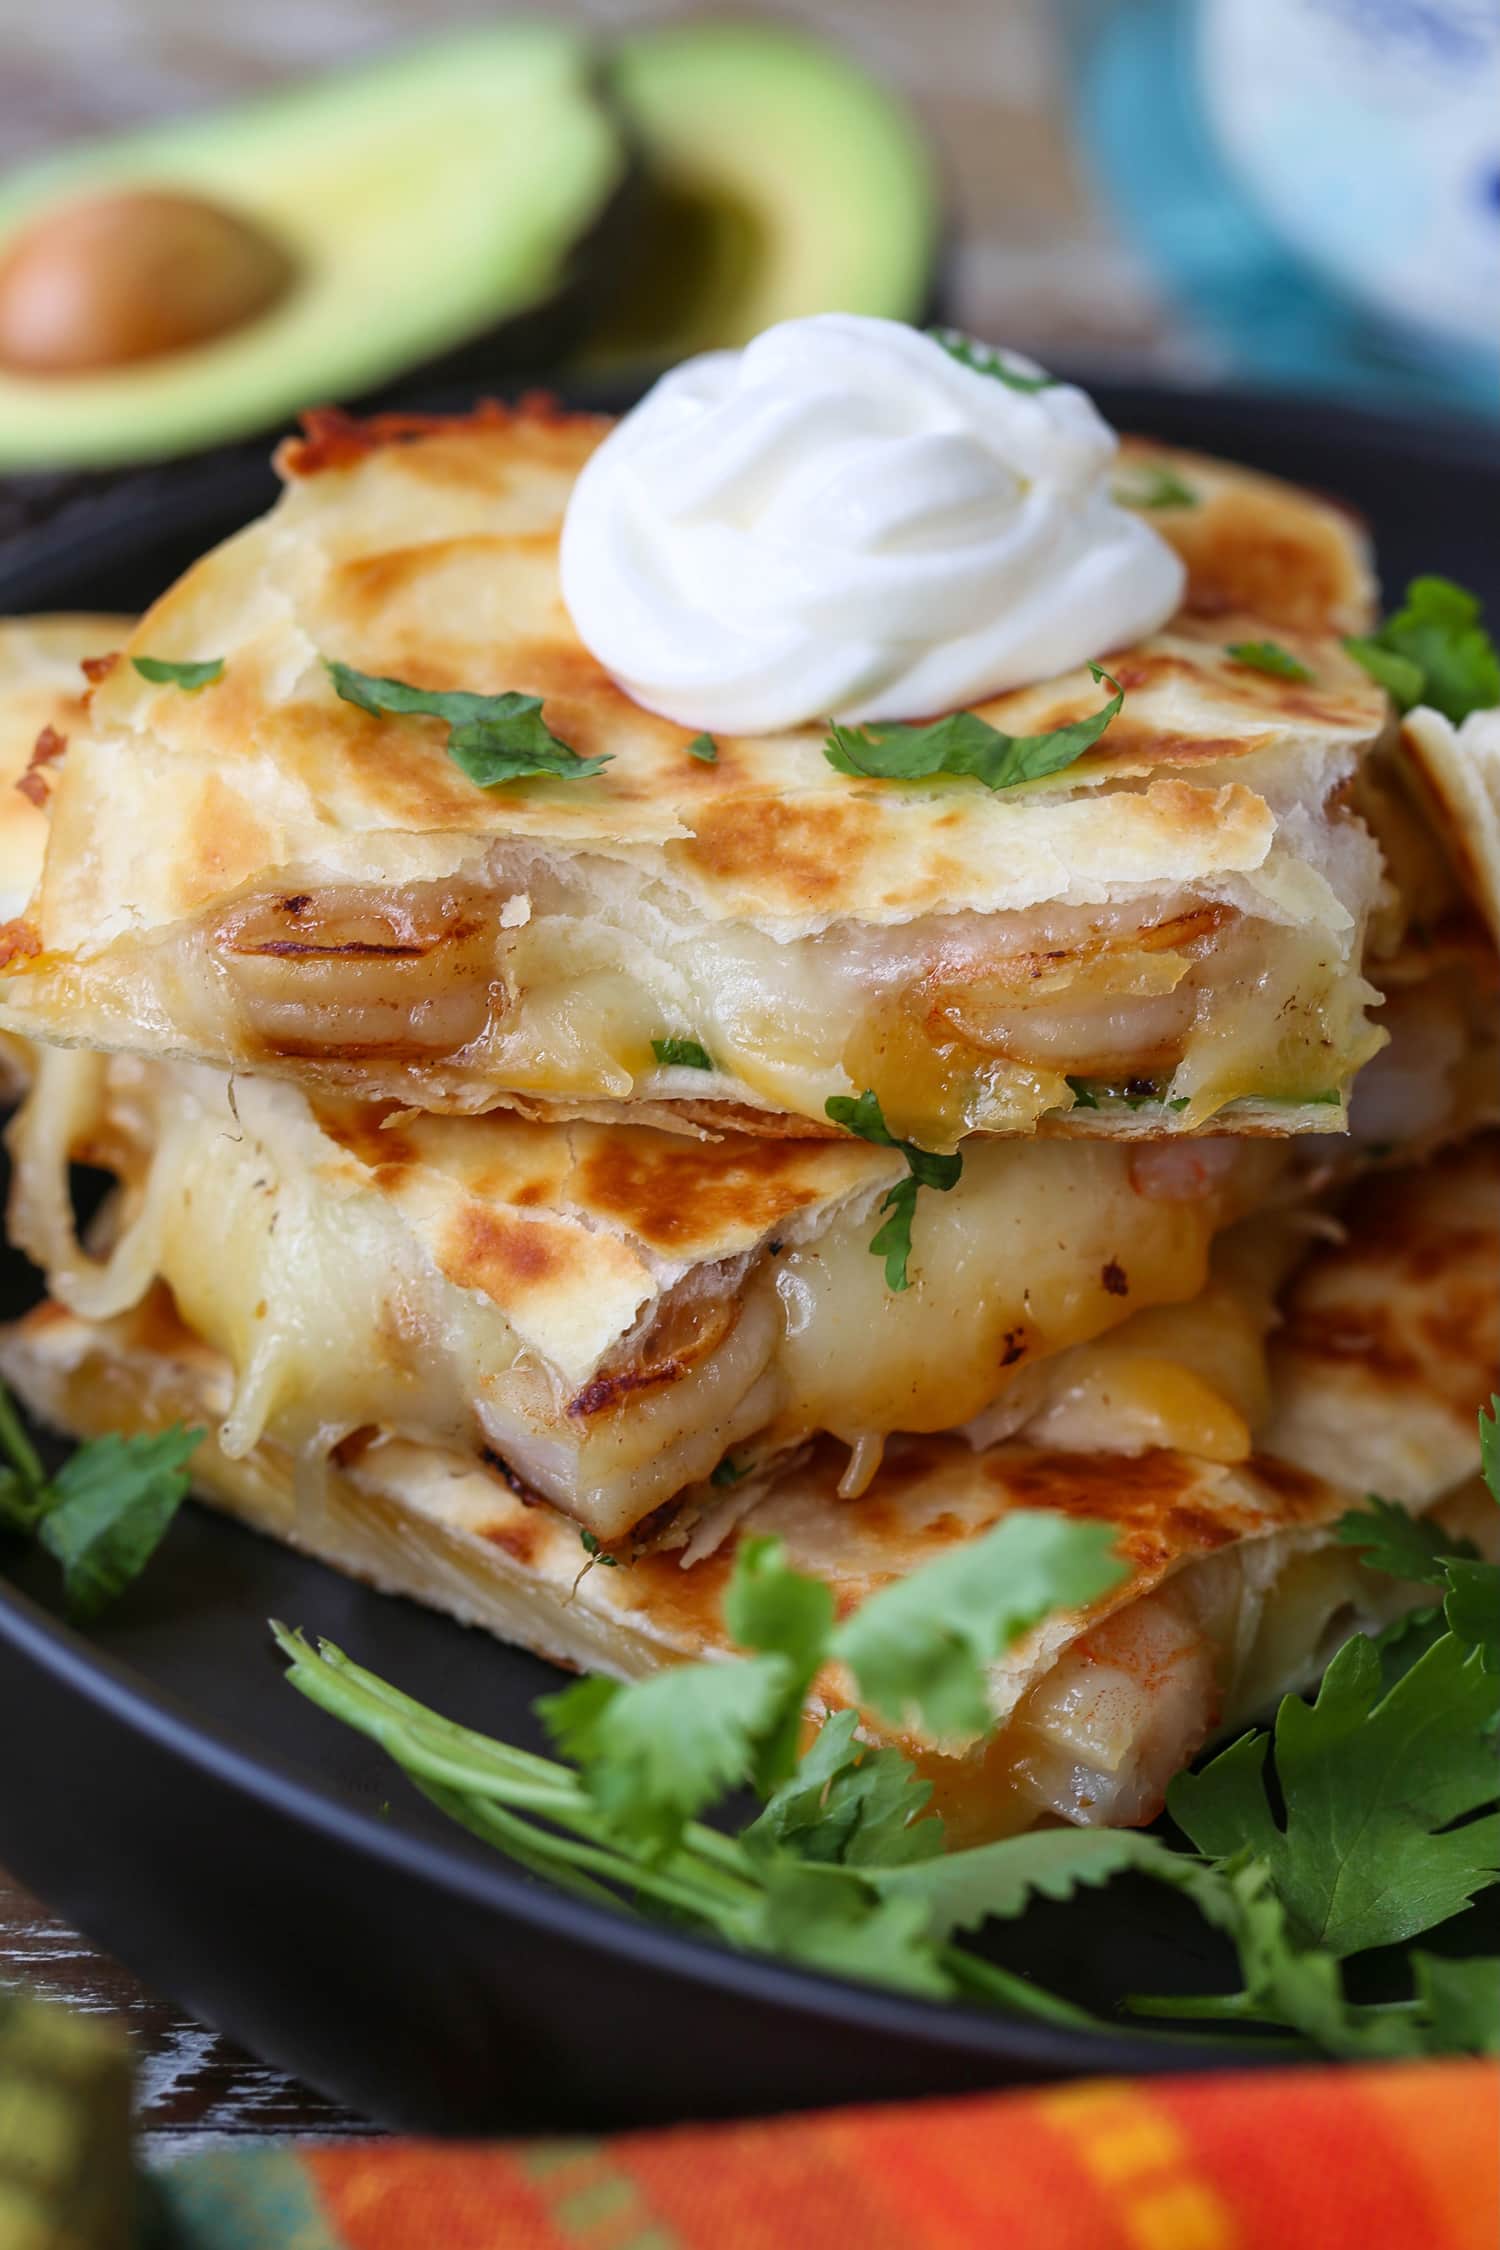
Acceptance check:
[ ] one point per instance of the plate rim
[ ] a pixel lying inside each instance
(74, 1664)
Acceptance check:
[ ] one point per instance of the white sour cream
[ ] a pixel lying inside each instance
(844, 521)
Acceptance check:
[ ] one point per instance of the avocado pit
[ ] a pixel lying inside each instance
(114, 279)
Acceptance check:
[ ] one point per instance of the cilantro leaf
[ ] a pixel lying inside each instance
(704, 748)
(189, 677)
(778, 1612)
(964, 744)
(984, 359)
(849, 1804)
(653, 1752)
(1154, 486)
(1083, 1094)
(111, 1504)
(1371, 1779)
(1268, 656)
(962, 1889)
(1458, 2004)
(892, 1240)
(1435, 650)
(728, 1471)
(862, 1114)
(922, 1645)
(681, 1054)
(491, 738)
(1472, 1608)
(1400, 1544)
(828, 1919)
(1402, 680)
(1489, 1448)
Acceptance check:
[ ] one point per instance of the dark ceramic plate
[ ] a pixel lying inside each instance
(270, 1871)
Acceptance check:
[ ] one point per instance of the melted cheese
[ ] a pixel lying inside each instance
(442, 993)
(328, 1287)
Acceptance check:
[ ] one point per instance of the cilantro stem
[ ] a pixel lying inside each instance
(23, 1454)
(979, 1979)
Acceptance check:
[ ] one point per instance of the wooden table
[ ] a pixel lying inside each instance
(193, 2089)
(1036, 262)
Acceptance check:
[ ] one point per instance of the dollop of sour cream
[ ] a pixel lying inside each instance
(845, 521)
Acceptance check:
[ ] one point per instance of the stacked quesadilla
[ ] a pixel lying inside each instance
(632, 1156)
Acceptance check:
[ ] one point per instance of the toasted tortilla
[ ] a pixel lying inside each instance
(260, 875)
(1236, 1589)
(42, 702)
(1458, 772)
(611, 1311)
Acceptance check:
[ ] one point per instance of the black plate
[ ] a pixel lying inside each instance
(269, 1871)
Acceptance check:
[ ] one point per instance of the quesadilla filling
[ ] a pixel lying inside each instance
(550, 987)
(1236, 1592)
(613, 1314)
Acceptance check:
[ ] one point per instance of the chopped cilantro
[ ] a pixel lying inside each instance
(728, 1472)
(925, 1168)
(1268, 656)
(704, 748)
(984, 359)
(1435, 650)
(491, 738)
(189, 677)
(681, 1054)
(966, 745)
(1136, 1093)
(1154, 486)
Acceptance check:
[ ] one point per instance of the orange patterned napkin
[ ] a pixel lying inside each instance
(1396, 2157)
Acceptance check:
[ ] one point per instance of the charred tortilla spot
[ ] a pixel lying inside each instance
(673, 1193)
(799, 849)
(488, 1250)
(1114, 1279)
(97, 668)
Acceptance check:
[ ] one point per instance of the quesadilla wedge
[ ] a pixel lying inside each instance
(610, 1314)
(248, 867)
(1237, 1588)
(42, 691)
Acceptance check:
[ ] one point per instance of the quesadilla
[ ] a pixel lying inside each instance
(608, 1314)
(42, 691)
(1237, 1589)
(249, 868)
(1457, 770)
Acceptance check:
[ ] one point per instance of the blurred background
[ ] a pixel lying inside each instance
(1294, 193)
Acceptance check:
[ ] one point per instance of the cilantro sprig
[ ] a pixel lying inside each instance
(1434, 650)
(862, 1114)
(1374, 1832)
(491, 738)
(962, 743)
(106, 1511)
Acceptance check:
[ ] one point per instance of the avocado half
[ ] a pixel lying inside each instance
(779, 179)
(412, 205)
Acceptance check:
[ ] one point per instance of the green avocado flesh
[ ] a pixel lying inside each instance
(424, 200)
(780, 181)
